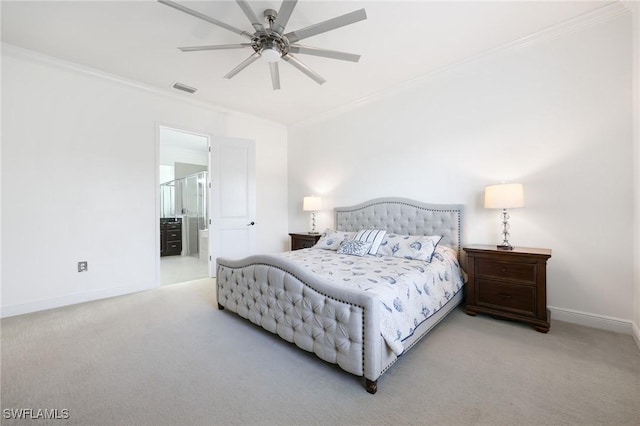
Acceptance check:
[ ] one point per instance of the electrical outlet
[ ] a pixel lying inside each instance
(83, 266)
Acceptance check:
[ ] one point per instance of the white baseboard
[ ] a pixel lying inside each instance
(602, 322)
(72, 299)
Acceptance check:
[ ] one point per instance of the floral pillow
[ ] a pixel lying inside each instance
(354, 247)
(409, 246)
(330, 239)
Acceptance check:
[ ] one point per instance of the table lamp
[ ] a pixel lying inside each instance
(312, 204)
(504, 196)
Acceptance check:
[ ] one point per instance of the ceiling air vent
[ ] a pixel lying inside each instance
(184, 87)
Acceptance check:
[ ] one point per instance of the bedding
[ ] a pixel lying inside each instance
(410, 291)
(359, 312)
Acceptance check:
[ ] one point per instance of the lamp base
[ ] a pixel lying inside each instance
(504, 247)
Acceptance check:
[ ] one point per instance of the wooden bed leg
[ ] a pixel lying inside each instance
(371, 385)
(220, 307)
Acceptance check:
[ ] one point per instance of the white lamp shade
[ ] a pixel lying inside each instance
(311, 204)
(504, 196)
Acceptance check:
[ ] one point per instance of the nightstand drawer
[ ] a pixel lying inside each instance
(506, 270)
(519, 298)
(302, 241)
(302, 244)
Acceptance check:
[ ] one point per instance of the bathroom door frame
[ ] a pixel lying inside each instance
(182, 129)
(231, 228)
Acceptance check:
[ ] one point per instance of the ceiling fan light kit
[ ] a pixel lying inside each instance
(271, 43)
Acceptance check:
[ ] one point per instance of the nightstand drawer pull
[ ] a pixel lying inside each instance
(505, 296)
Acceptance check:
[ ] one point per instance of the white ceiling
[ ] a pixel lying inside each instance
(398, 42)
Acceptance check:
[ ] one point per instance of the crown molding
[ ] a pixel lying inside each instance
(632, 5)
(30, 55)
(586, 20)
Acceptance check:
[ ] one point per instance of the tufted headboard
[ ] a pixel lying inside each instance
(406, 217)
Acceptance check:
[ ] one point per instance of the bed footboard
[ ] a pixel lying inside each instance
(339, 325)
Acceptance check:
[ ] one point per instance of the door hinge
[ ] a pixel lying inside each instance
(209, 149)
(209, 221)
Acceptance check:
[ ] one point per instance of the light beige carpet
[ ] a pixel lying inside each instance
(169, 357)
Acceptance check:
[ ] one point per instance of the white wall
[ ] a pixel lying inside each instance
(167, 173)
(554, 114)
(635, 10)
(172, 155)
(80, 172)
(182, 147)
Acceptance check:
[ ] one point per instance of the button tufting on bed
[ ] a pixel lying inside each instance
(296, 313)
(398, 216)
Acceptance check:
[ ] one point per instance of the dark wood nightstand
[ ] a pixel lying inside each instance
(509, 284)
(303, 240)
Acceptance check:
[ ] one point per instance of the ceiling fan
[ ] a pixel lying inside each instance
(271, 42)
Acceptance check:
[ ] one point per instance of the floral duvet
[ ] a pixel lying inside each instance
(410, 291)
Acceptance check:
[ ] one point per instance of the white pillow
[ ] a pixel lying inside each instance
(354, 247)
(409, 246)
(330, 239)
(374, 236)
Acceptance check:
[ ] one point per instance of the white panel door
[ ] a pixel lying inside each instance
(233, 199)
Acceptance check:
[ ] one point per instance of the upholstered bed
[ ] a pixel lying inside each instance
(315, 298)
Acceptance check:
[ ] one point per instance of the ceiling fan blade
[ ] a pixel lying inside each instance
(204, 17)
(253, 18)
(326, 53)
(214, 47)
(283, 15)
(328, 25)
(305, 69)
(275, 75)
(243, 65)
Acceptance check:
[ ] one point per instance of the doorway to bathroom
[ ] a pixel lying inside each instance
(184, 205)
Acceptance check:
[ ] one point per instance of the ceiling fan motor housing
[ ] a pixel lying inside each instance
(262, 42)
(271, 45)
